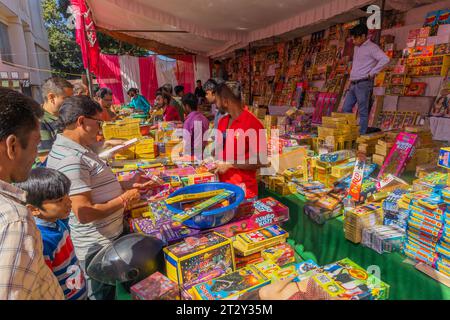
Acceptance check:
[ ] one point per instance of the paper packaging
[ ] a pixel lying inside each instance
(198, 209)
(199, 258)
(345, 279)
(155, 287)
(289, 159)
(399, 155)
(438, 40)
(258, 240)
(265, 212)
(444, 30)
(231, 286)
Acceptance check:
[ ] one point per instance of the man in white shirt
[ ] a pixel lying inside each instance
(368, 61)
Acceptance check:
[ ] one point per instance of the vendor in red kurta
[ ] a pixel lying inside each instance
(243, 143)
(170, 112)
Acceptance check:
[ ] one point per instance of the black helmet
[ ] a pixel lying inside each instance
(129, 259)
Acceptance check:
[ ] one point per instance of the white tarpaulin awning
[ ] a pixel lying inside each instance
(214, 27)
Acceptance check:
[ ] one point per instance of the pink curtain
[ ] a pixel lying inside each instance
(109, 76)
(185, 73)
(149, 81)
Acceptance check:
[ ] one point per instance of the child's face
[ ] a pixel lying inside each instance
(53, 210)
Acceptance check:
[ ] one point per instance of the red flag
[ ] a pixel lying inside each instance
(86, 35)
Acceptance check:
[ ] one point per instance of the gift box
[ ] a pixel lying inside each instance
(155, 287)
(199, 258)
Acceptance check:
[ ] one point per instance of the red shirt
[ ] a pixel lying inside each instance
(246, 145)
(171, 114)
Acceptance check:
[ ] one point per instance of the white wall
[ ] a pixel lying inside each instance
(28, 40)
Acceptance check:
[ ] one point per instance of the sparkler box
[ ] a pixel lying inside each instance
(199, 258)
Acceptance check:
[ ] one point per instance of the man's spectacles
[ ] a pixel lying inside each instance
(99, 122)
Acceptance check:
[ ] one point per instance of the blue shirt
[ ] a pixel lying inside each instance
(59, 255)
(140, 103)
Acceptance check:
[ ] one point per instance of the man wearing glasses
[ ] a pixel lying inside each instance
(98, 198)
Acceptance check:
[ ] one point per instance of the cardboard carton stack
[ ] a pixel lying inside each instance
(340, 131)
(367, 143)
(426, 149)
(383, 147)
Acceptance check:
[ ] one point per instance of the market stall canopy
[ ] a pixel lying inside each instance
(213, 27)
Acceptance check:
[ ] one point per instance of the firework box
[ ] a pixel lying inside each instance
(346, 280)
(155, 287)
(231, 286)
(355, 186)
(306, 269)
(199, 258)
(399, 155)
(361, 217)
(444, 158)
(258, 240)
(251, 259)
(281, 254)
(199, 178)
(194, 196)
(196, 210)
(284, 273)
(268, 268)
(267, 211)
(166, 230)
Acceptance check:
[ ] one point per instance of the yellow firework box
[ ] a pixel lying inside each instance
(258, 240)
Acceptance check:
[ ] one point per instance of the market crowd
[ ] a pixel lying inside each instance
(60, 203)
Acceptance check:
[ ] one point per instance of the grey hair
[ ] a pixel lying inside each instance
(56, 86)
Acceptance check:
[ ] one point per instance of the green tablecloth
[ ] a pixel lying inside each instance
(326, 243)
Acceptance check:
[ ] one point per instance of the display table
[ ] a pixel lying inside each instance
(326, 243)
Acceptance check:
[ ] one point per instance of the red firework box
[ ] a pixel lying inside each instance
(261, 213)
(241, 262)
(357, 178)
(155, 287)
(399, 155)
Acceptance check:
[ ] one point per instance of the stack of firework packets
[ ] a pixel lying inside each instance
(198, 209)
(360, 218)
(383, 238)
(424, 231)
(394, 214)
(443, 248)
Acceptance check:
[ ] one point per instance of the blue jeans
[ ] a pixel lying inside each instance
(359, 93)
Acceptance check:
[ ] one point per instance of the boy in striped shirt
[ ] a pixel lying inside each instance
(49, 202)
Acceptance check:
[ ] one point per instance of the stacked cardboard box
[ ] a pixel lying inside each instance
(340, 131)
(383, 147)
(360, 218)
(426, 149)
(367, 143)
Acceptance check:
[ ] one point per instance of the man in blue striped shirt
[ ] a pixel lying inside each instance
(98, 199)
